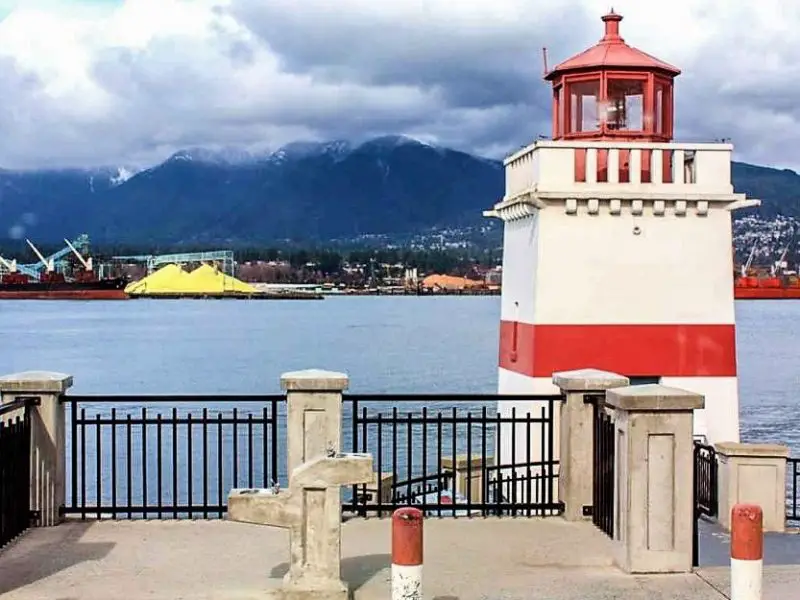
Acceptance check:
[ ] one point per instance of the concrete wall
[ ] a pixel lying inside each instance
(595, 270)
(520, 239)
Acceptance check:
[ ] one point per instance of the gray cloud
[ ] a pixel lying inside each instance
(261, 74)
(474, 63)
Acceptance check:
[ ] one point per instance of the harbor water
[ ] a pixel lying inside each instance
(385, 344)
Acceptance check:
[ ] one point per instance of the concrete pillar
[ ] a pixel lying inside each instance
(314, 429)
(48, 447)
(575, 479)
(314, 413)
(753, 474)
(468, 474)
(654, 488)
(379, 491)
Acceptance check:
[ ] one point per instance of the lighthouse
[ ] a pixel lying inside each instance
(617, 240)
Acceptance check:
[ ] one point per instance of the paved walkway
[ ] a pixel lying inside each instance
(715, 547)
(465, 559)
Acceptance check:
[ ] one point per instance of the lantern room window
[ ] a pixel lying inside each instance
(625, 105)
(613, 91)
(584, 102)
(663, 107)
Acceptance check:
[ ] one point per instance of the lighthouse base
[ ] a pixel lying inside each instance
(717, 422)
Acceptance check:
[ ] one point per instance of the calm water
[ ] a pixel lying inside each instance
(385, 344)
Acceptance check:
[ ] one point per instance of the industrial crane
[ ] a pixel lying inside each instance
(87, 263)
(780, 266)
(11, 266)
(746, 266)
(49, 263)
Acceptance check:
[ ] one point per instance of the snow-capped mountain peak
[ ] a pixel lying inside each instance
(224, 155)
(300, 150)
(123, 174)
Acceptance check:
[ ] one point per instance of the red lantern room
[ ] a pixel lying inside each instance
(613, 92)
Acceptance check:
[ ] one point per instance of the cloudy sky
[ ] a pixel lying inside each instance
(110, 82)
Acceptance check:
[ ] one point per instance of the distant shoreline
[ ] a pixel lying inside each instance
(333, 290)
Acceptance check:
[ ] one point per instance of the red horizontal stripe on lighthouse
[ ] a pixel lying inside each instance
(632, 350)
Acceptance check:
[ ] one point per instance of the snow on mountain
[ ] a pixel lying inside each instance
(300, 150)
(225, 155)
(338, 149)
(123, 174)
(106, 177)
(390, 142)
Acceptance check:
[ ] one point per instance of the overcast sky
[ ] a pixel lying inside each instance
(111, 82)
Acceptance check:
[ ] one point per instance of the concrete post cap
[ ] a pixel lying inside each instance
(314, 380)
(41, 382)
(589, 380)
(752, 450)
(653, 397)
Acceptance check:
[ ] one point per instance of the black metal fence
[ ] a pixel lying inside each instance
(15, 468)
(705, 480)
(453, 455)
(168, 456)
(706, 490)
(793, 490)
(603, 455)
(178, 456)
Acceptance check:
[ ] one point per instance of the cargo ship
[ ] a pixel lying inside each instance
(778, 283)
(52, 285)
(18, 286)
(754, 287)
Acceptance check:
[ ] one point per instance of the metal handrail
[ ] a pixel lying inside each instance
(20, 402)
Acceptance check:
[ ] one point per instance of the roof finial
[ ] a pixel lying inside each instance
(611, 21)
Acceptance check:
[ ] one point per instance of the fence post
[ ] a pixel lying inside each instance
(753, 473)
(468, 475)
(314, 413)
(48, 447)
(381, 490)
(654, 495)
(407, 543)
(747, 552)
(314, 429)
(576, 478)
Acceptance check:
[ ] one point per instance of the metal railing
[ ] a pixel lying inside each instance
(706, 486)
(706, 491)
(455, 455)
(15, 468)
(603, 457)
(167, 456)
(130, 457)
(793, 490)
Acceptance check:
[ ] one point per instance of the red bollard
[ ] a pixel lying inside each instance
(407, 554)
(747, 551)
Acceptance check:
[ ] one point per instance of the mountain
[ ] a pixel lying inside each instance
(778, 190)
(392, 185)
(303, 191)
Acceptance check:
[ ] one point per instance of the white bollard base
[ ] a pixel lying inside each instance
(746, 579)
(406, 582)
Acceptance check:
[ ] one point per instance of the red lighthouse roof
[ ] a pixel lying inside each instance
(612, 52)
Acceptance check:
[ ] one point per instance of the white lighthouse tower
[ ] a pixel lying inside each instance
(618, 245)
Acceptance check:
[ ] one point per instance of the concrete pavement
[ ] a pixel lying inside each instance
(715, 547)
(465, 559)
